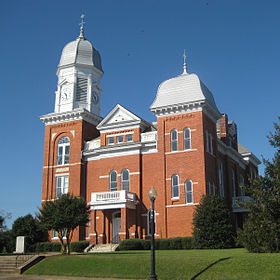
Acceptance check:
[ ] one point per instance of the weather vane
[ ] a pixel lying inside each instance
(185, 64)
(82, 26)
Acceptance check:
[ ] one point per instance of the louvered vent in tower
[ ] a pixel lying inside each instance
(81, 94)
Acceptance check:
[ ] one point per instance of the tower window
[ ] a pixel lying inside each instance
(62, 183)
(125, 180)
(175, 186)
(113, 184)
(81, 93)
(187, 138)
(174, 140)
(129, 138)
(63, 149)
(110, 140)
(120, 139)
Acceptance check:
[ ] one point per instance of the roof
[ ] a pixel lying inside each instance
(242, 149)
(183, 89)
(80, 52)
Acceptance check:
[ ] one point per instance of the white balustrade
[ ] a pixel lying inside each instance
(94, 144)
(149, 136)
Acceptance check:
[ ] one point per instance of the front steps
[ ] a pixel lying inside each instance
(104, 248)
(10, 263)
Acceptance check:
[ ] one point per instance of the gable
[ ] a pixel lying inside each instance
(118, 118)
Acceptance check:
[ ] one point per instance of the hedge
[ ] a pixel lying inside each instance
(56, 246)
(160, 244)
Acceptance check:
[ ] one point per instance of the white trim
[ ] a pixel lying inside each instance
(69, 164)
(118, 134)
(61, 174)
(181, 205)
(183, 151)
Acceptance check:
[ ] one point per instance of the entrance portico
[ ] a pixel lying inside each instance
(113, 216)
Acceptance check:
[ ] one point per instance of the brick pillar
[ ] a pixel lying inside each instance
(101, 234)
(93, 234)
(123, 232)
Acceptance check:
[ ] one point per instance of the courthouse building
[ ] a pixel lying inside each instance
(191, 150)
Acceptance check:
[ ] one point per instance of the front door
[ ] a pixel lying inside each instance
(116, 227)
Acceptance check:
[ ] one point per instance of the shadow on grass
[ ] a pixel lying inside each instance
(209, 266)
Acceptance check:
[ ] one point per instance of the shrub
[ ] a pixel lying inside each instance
(131, 244)
(79, 246)
(48, 247)
(187, 243)
(213, 227)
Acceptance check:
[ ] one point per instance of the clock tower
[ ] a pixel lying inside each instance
(79, 72)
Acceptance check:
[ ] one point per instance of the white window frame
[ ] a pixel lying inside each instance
(233, 182)
(110, 181)
(62, 155)
(207, 141)
(109, 139)
(214, 189)
(187, 140)
(189, 191)
(64, 187)
(173, 186)
(120, 137)
(211, 144)
(124, 182)
(173, 141)
(127, 137)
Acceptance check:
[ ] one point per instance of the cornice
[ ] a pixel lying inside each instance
(176, 109)
(76, 114)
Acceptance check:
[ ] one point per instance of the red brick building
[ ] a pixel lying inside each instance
(112, 162)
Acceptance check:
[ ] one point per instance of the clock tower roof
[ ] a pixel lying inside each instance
(80, 52)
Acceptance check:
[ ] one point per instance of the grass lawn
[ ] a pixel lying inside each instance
(170, 264)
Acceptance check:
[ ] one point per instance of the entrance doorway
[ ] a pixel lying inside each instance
(116, 227)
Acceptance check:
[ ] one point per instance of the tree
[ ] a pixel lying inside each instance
(31, 228)
(213, 227)
(261, 233)
(63, 215)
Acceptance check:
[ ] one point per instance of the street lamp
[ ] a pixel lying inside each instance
(152, 196)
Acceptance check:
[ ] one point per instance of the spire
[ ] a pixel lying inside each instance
(185, 64)
(82, 27)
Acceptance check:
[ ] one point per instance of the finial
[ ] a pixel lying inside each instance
(82, 27)
(185, 64)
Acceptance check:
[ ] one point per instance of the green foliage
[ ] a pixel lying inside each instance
(261, 233)
(56, 246)
(64, 215)
(213, 227)
(79, 246)
(31, 228)
(7, 241)
(160, 244)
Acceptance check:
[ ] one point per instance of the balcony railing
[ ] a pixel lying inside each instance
(239, 199)
(111, 200)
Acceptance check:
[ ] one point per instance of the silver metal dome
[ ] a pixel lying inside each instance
(80, 52)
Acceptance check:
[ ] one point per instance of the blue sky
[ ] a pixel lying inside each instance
(233, 46)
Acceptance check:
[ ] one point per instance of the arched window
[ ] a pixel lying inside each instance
(174, 140)
(63, 149)
(187, 138)
(175, 186)
(125, 180)
(113, 181)
(189, 191)
(241, 184)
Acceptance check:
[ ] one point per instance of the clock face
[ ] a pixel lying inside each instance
(65, 94)
(94, 98)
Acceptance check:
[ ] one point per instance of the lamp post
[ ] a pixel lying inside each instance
(152, 196)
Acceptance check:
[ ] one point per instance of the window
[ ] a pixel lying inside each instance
(175, 186)
(61, 185)
(113, 181)
(120, 139)
(54, 234)
(221, 179)
(110, 140)
(207, 141)
(211, 144)
(149, 221)
(187, 138)
(214, 189)
(129, 138)
(209, 188)
(233, 183)
(241, 184)
(174, 140)
(125, 180)
(63, 148)
(189, 191)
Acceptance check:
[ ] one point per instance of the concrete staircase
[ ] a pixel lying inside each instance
(10, 263)
(104, 248)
